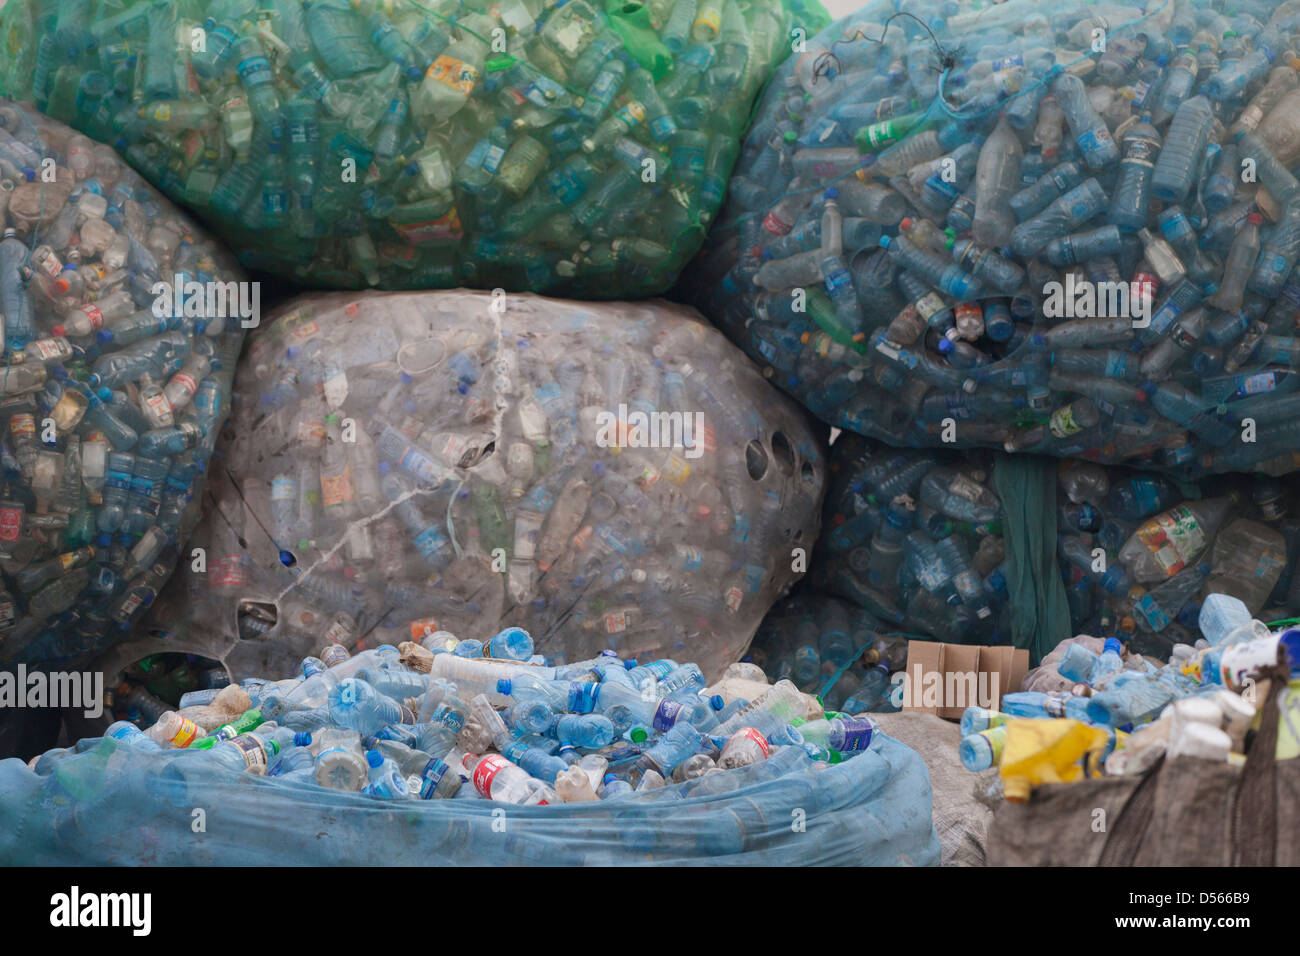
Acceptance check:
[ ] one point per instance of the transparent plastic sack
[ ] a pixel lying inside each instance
(121, 322)
(967, 233)
(833, 649)
(103, 803)
(920, 542)
(916, 538)
(398, 464)
(578, 148)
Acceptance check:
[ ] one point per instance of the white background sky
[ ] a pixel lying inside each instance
(840, 8)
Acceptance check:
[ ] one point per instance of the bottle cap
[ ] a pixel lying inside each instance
(832, 192)
(504, 687)
(638, 735)
(374, 758)
(1255, 218)
(1113, 644)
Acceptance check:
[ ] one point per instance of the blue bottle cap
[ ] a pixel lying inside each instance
(884, 242)
(504, 686)
(103, 336)
(374, 758)
(716, 702)
(302, 739)
(287, 559)
(1113, 644)
(832, 192)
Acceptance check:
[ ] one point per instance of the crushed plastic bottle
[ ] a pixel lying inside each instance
(119, 358)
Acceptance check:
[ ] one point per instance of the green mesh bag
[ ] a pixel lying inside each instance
(569, 148)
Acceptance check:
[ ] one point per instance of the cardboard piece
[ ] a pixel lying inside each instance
(945, 679)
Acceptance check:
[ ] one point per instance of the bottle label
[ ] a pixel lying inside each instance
(186, 734)
(284, 488)
(666, 715)
(1153, 612)
(311, 433)
(751, 733)
(422, 628)
(1063, 423)
(334, 654)
(485, 772)
(615, 622)
(1257, 384)
(11, 523)
(95, 316)
(230, 572)
(1173, 538)
(446, 226)
(8, 615)
(157, 408)
(856, 733)
(1147, 494)
(1242, 663)
(732, 598)
(457, 74)
(337, 491)
(775, 225)
(964, 487)
(255, 758)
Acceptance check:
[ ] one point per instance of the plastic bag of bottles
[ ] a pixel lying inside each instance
(1067, 229)
(834, 650)
(917, 539)
(1139, 555)
(407, 756)
(604, 476)
(121, 324)
(576, 148)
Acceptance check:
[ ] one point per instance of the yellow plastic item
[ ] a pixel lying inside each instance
(1288, 728)
(1047, 751)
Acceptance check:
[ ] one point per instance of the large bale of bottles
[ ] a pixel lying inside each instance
(577, 148)
(602, 476)
(121, 322)
(1068, 229)
(915, 543)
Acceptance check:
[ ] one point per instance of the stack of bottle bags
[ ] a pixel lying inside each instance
(401, 756)
(918, 544)
(570, 148)
(399, 463)
(1067, 228)
(122, 323)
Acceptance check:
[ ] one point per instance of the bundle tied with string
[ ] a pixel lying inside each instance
(407, 467)
(1028, 228)
(578, 148)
